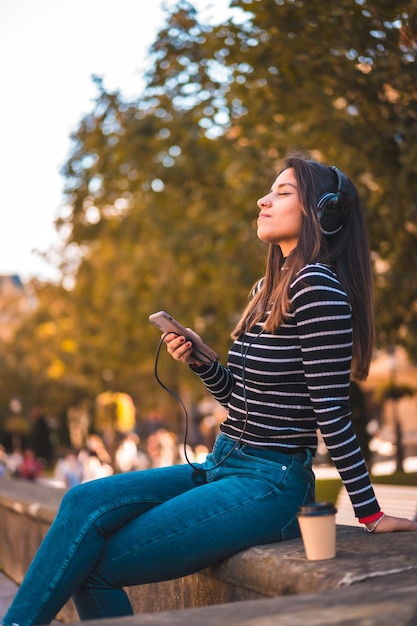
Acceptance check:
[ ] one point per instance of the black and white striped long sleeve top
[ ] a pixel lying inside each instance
(293, 382)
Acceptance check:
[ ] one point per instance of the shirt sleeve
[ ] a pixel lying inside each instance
(324, 322)
(218, 381)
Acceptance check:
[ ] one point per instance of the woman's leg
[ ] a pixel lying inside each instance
(154, 525)
(88, 515)
(246, 502)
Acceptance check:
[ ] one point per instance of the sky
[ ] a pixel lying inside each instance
(49, 49)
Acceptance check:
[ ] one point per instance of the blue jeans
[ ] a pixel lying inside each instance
(153, 525)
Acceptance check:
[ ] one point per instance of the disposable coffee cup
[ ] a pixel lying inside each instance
(317, 523)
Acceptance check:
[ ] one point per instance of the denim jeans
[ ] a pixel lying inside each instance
(153, 525)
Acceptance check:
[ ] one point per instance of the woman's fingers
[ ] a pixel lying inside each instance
(391, 524)
(178, 347)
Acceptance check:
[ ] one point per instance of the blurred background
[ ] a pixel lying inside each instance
(137, 146)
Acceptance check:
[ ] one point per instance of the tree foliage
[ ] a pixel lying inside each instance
(161, 192)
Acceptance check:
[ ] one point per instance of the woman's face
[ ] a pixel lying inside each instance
(280, 214)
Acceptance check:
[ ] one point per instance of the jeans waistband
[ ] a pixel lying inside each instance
(270, 453)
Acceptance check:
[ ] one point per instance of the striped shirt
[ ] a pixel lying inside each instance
(281, 388)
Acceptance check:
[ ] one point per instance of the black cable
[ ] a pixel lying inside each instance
(175, 396)
(199, 475)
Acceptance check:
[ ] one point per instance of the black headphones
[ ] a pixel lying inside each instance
(331, 207)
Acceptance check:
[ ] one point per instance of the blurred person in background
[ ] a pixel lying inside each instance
(31, 467)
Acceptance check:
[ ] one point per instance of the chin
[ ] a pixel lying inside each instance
(263, 236)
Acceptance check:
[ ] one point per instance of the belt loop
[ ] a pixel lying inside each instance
(309, 457)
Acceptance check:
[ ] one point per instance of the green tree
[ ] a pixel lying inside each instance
(161, 192)
(152, 225)
(339, 81)
(186, 162)
(37, 364)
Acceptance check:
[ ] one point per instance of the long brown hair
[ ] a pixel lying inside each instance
(347, 252)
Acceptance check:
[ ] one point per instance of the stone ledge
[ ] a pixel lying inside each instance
(362, 562)
(385, 601)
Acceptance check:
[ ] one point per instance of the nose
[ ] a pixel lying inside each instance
(263, 202)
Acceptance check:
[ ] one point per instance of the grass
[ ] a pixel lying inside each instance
(327, 489)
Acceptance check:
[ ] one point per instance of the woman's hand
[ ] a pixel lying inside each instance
(389, 524)
(180, 349)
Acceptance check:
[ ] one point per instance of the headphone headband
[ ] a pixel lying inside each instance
(331, 206)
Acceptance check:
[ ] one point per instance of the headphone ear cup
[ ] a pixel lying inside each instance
(331, 213)
(331, 208)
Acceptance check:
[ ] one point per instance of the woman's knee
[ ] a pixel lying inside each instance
(78, 496)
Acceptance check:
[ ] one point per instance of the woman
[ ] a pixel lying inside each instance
(307, 327)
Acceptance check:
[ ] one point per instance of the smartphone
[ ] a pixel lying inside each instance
(166, 323)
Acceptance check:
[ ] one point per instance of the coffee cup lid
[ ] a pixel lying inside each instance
(317, 508)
